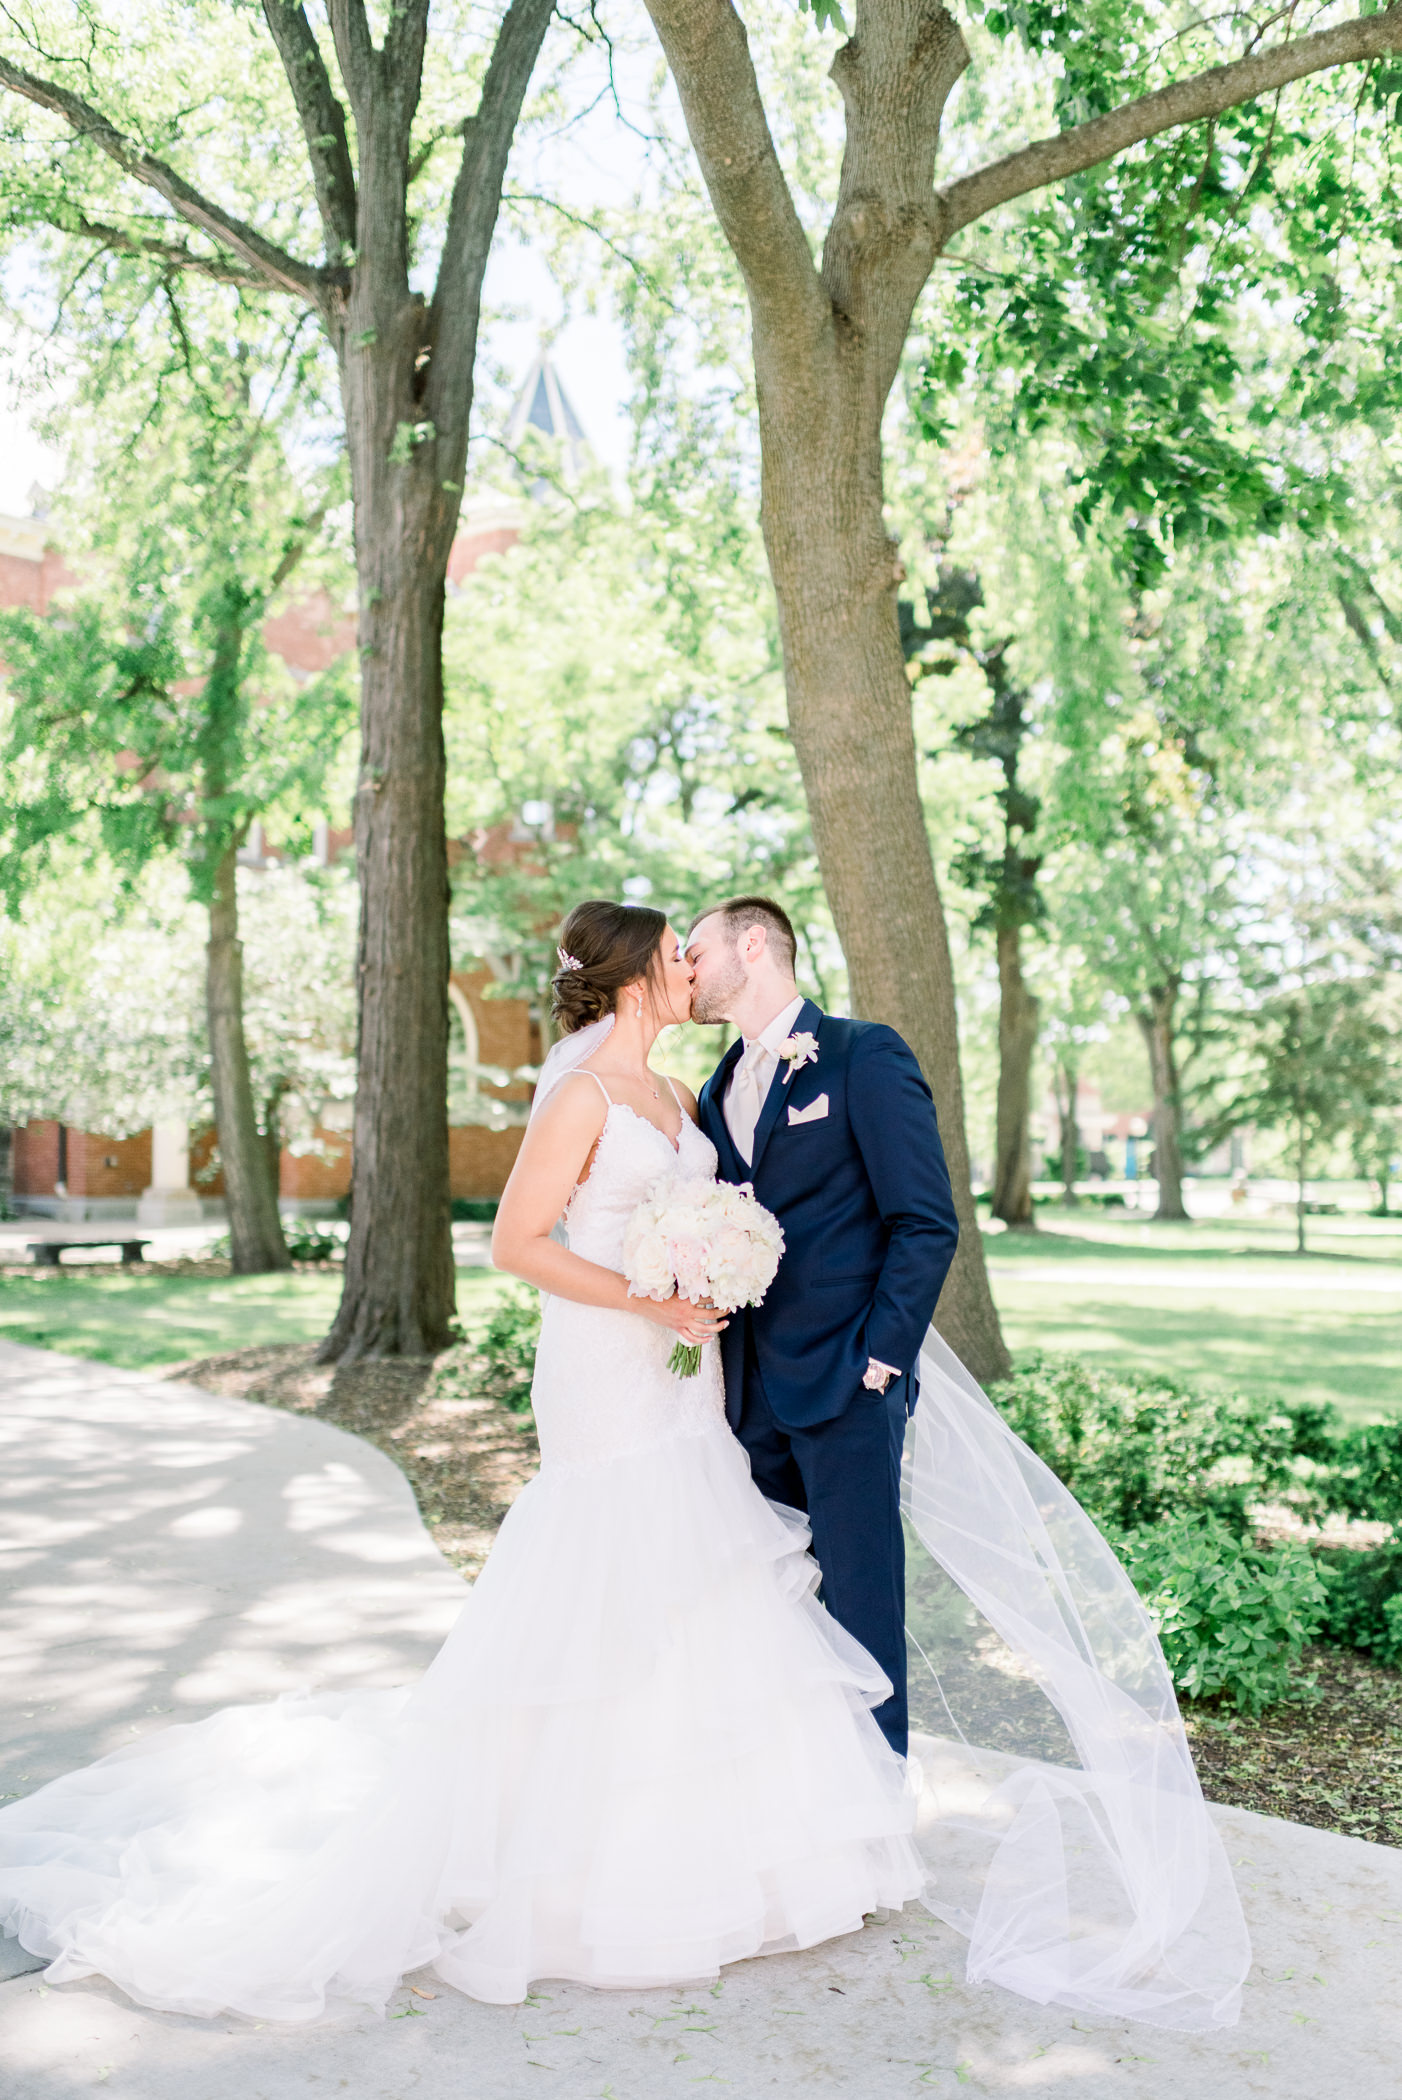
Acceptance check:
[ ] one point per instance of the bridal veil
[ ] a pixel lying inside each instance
(1061, 1819)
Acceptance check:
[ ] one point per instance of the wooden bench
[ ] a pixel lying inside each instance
(46, 1253)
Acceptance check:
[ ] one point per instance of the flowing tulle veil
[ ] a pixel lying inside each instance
(1060, 1814)
(564, 1056)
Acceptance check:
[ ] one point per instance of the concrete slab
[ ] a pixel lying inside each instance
(164, 1552)
(176, 1549)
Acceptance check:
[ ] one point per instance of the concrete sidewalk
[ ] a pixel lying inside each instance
(166, 1552)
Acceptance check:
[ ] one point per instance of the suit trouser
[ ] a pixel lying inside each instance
(846, 1475)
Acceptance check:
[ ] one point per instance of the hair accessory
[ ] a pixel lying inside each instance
(568, 961)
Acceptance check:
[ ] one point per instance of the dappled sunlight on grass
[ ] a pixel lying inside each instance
(1224, 1298)
(1294, 1343)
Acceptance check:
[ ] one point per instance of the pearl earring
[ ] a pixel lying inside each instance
(638, 1005)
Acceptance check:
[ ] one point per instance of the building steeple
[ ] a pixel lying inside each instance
(543, 405)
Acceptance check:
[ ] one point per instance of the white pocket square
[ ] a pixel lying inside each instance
(814, 1112)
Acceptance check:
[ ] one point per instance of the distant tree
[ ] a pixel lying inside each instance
(659, 767)
(299, 151)
(832, 297)
(103, 1020)
(145, 708)
(1073, 1002)
(1326, 1060)
(1006, 878)
(1154, 909)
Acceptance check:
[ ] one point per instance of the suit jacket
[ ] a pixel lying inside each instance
(862, 1192)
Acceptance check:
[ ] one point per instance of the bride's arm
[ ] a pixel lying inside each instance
(553, 1153)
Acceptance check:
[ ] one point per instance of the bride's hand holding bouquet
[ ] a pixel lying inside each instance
(700, 1245)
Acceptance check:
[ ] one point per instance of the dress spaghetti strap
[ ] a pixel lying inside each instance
(583, 1074)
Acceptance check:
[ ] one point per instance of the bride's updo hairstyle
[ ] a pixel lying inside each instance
(603, 946)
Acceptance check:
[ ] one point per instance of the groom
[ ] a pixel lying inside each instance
(832, 1122)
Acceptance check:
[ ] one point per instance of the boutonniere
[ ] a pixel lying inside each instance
(798, 1051)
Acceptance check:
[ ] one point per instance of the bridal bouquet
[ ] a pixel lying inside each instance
(709, 1240)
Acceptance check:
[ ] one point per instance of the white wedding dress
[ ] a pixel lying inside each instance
(644, 1750)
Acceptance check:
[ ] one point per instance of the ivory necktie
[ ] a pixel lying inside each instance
(745, 1099)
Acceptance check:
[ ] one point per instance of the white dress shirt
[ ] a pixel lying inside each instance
(752, 1078)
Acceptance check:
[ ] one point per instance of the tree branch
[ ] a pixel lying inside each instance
(263, 257)
(709, 57)
(472, 216)
(1185, 102)
(174, 254)
(355, 50)
(323, 121)
(588, 226)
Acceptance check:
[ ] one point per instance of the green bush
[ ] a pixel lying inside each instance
(1232, 1617)
(1135, 1449)
(307, 1240)
(496, 1361)
(1365, 1473)
(1364, 1607)
(479, 1210)
(507, 1349)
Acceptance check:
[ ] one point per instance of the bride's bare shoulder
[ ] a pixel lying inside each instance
(579, 1101)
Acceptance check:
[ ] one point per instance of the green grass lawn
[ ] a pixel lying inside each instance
(1222, 1299)
(146, 1322)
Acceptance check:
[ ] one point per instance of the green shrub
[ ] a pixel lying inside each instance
(307, 1240)
(496, 1361)
(1364, 1607)
(508, 1347)
(1365, 1473)
(479, 1210)
(1232, 1617)
(1137, 1449)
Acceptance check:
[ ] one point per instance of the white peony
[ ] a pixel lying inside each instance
(708, 1240)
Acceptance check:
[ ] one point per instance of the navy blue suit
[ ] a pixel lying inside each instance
(863, 1195)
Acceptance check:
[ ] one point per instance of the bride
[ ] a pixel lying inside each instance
(645, 1749)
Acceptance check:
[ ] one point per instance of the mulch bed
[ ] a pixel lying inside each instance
(1332, 1759)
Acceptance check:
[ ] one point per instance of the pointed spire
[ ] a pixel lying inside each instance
(543, 405)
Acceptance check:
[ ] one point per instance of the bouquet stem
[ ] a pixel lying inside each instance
(685, 1360)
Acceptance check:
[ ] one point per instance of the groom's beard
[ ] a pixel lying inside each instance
(712, 1003)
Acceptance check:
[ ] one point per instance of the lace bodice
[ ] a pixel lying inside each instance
(633, 1155)
(602, 1389)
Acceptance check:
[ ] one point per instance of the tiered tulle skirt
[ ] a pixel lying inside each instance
(644, 1750)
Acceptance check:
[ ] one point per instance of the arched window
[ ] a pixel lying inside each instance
(464, 1049)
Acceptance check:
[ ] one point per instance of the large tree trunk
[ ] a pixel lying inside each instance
(1017, 1040)
(1157, 1028)
(406, 367)
(849, 706)
(250, 1189)
(399, 1286)
(827, 349)
(835, 575)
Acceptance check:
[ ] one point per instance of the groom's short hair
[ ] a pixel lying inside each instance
(740, 913)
